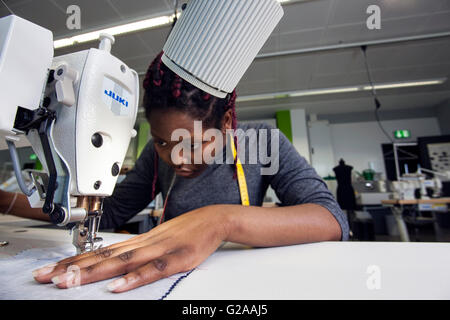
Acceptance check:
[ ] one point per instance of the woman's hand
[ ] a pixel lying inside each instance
(177, 245)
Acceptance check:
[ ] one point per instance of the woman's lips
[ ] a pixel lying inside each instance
(184, 172)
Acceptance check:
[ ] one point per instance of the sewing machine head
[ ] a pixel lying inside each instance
(406, 187)
(78, 113)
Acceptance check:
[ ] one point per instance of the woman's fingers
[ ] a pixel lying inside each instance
(157, 269)
(45, 275)
(132, 240)
(111, 267)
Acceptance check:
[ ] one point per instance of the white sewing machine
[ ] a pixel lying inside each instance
(405, 188)
(77, 111)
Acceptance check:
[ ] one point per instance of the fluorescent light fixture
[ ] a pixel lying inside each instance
(405, 84)
(117, 30)
(324, 91)
(315, 92)
(302, 93)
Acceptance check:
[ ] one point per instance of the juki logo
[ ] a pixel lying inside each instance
(116, 97)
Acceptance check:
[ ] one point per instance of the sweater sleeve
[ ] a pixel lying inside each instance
(133, 194)
(296, 182)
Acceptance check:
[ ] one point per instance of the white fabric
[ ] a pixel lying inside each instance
(17, 282)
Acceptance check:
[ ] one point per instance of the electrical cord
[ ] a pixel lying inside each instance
(374, 94)
(175, 12)
(175, 19)
(9, 9)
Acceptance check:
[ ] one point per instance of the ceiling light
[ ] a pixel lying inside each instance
(314, 92)
(324, 91)
(117, 30)
(405, 84)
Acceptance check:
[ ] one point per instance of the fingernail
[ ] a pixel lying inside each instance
(65, 277)
(116, 284)
(45, 270)
(56, 280)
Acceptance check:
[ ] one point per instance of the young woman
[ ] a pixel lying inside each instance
(203, 207)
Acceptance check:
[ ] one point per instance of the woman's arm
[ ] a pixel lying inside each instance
(21, 207)
(263, 227)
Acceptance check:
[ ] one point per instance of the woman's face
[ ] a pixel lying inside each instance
(163, 124)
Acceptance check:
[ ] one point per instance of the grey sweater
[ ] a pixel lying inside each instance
(295, 182)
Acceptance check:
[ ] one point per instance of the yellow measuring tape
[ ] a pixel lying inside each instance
(240, 175)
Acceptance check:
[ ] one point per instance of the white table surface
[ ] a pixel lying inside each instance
(327, 270)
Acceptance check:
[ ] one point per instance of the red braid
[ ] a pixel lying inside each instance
(176, 87)
(149, 73)
(232, 105)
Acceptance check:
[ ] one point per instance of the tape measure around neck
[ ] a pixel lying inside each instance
(245, 200)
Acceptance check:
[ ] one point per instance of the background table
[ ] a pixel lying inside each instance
(397, 206)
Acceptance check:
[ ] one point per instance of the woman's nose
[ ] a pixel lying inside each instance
(180, 158)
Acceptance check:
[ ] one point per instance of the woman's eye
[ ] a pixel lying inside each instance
(162, 143)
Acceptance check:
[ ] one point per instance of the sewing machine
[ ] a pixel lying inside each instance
(77, 111)
(405, 188)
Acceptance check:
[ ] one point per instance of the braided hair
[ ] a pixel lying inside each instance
(164, 89)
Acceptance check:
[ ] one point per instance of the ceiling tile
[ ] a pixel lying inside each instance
(339, 62)
(343, 34)
(129, 9)
(271, 45)
(301, 39)
(139, 63)
(129, 46)
(43, 13)
(256, 87)
(305, 15)
(154, 39)
(261, 69)
(350, 11)
(431, 71)
(438, 22)
(397, 9)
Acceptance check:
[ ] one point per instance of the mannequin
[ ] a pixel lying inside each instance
(345, 191)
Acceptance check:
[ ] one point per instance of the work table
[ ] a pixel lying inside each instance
(327, 270)
(417, 201)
